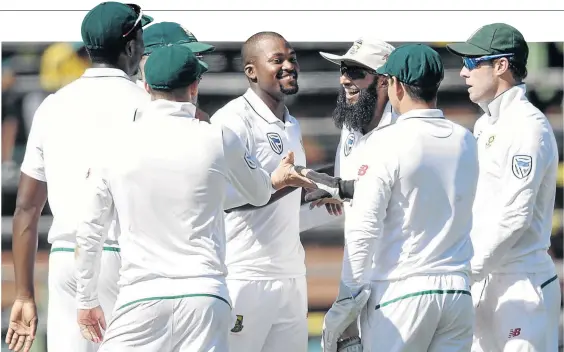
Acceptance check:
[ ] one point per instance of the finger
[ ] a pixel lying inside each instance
(28, 344)
(33, 327)
(13, 341)
(86, 333)
(97, 333)
(20, 343)
(339, 209)
(102, 322)
(328, 207)
(9, 335)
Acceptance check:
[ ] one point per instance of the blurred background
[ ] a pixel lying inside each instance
(31, 71)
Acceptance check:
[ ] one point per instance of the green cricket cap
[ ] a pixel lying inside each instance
(107, 24)
(493, 39)
(165, 33)
(171, 67)
(414, 64)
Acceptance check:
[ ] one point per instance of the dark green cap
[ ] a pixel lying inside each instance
(414, 64)
(493, 39)
(165, 33)
(106, 25)
(172, 66)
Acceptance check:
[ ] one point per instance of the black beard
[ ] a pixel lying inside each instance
(358, 115)
(290, 91)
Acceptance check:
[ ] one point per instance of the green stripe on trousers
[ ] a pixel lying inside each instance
(64, 249)
(421, 293)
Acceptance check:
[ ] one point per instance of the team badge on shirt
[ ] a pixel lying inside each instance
(522, 166)
(349, 143)
(250, 162)
(238, 324)
(275, 142)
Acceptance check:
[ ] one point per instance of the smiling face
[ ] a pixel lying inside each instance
(275, 67)
(360, 95)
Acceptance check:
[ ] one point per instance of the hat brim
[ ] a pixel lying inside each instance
(145, 20)
(199, 47)
(337, 59)
(204, 66)
(466, 49)
(382, 70)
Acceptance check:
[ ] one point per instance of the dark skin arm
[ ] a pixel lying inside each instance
(32, 196)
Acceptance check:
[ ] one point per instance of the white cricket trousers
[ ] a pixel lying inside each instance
(271, 315)
(418, 314)
(517, 313)
(186, 323)
(63, 333)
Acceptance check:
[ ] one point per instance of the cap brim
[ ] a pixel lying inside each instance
(145, 20)
(337, 59)
(466, 49)
(199, 47)
(204, 67)
(382, 70)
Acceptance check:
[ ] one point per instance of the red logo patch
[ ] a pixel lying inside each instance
(362, 170)
(514, 333)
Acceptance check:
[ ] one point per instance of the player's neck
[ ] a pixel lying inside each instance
(416, 105)
(274, 104)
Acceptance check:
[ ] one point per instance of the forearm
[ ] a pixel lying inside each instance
(357, 260)
(24, 249)
(89, 245)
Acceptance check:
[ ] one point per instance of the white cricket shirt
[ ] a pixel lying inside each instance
(263, 243)
(516, 190)
(412, 209)
(68, 130)
(351, 141)
(167, 181)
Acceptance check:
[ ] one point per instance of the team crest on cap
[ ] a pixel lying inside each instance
(356, 45)
(349, 143)
(275, 142)
(522, 166)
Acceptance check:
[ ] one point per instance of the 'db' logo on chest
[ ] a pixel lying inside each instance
(275, 142)
(349, 143)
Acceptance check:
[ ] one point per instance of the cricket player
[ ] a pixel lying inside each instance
(68, 129)
(408, 249)
(265, 258)
(515, 288)
(166, 179)
(166, 33)
(362, 107)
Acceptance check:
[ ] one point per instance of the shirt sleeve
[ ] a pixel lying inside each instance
(225, 117)
(33, 163)
(373, 189)
(245, 174)
(92, 231)
(522, 170)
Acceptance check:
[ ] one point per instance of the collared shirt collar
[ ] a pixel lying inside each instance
(105, 72)
(425, 113)
(161, 107)
(502, 101)
(262, 110)
(389, 116)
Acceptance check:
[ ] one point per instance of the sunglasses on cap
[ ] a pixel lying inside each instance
(355, 72)
(139, 13)
(473, 62)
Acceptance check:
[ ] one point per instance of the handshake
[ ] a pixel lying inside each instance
(320, 186)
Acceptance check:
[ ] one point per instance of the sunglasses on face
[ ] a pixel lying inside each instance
(139, 13)
(355, 72)
(473, 62)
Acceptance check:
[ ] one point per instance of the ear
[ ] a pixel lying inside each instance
(250, 72)
(382, 82)
(399, 90)
(501, 66)
(193, 89)
(129, 48)
(147, 89)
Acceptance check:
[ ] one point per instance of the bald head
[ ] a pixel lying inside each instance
(251, 47)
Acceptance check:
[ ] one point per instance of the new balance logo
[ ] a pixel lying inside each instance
(514, 333)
